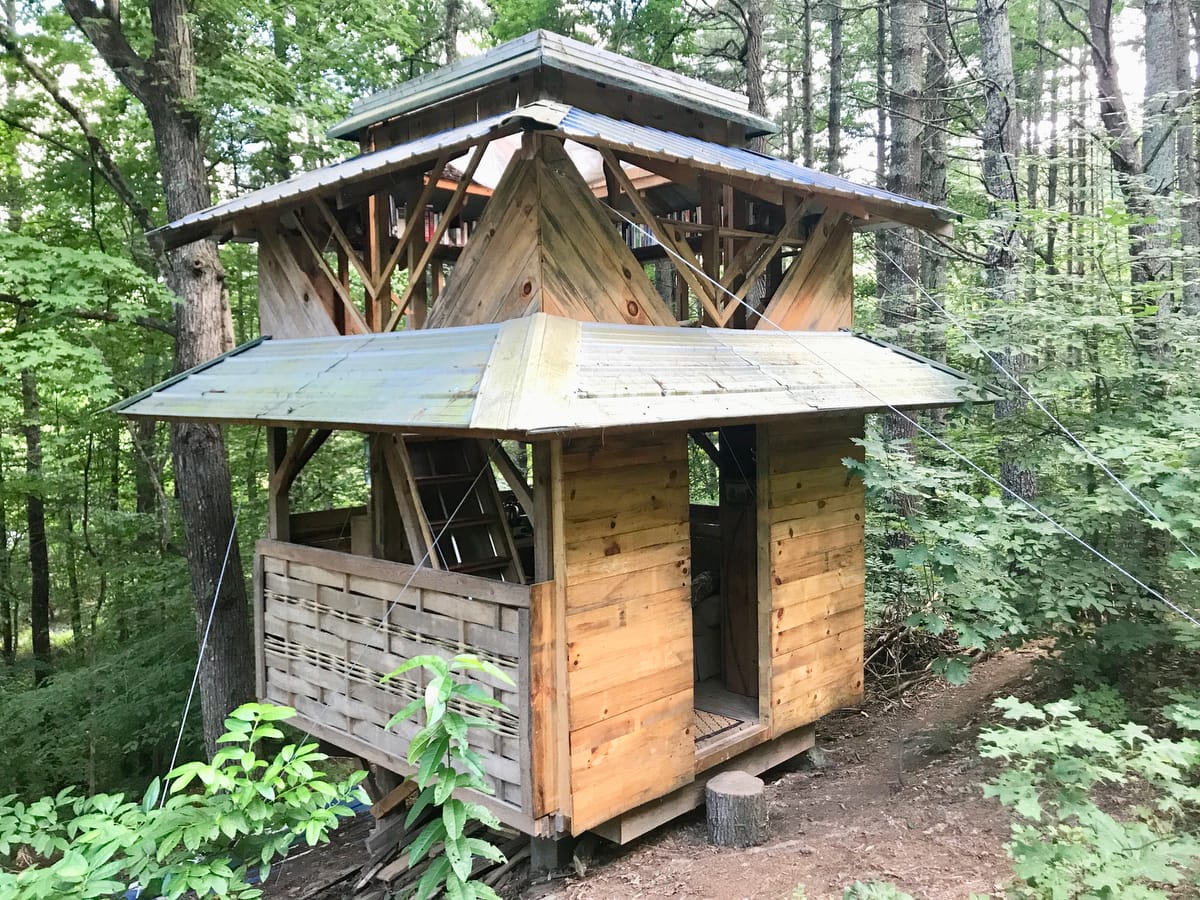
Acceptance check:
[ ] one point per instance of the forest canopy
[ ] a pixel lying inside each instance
(1062, 133)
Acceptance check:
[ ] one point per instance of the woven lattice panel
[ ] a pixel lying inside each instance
(329, 635)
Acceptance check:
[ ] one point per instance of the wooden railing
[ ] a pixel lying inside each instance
(330, 625)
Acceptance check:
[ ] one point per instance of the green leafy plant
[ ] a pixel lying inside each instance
(248, 811)
(444, 762)
(1063, 774)
(874, 890)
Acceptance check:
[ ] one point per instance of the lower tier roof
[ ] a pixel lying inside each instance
(541, 376)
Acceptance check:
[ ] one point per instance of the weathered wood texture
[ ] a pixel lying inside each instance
(817, 291)
(628, 622)
(544, 244)
(816, 570)
(735, 805)
(334, 624)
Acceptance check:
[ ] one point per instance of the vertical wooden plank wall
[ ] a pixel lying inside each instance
(815, 513)
(629, 624)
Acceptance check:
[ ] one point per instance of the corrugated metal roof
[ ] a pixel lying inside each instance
(574, 124)
(540, 49)
(545, 375)
(587, 127)
(320, 181)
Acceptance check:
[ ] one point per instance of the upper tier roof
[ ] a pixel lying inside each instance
(543, 375)
(582, 130)
(546, 50)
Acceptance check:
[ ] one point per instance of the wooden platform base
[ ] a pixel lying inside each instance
(633, 824)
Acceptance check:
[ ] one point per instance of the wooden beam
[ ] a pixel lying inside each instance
(416, 525)
(702, 440)
(352, 312)
(412, 221)
(416, 272)
(515, 478)
(689, 265)
(800, 268)
(710, 243)
(765, 260)
(278, 514)
(300, 450)
(339, 235)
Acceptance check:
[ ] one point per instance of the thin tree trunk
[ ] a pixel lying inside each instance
(836, 63)
(933, 167)
(450, 37)
(806, 83)
(1127, 165)
(35, 526)
(1001, 134)
(8, 629)
(756, 91)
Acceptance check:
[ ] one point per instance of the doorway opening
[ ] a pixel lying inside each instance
(722, 478)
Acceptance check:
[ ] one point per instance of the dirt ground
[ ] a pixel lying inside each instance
(899, 801)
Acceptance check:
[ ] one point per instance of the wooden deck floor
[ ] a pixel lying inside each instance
(719, 711)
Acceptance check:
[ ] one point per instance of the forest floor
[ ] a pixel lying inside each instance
(899, 801)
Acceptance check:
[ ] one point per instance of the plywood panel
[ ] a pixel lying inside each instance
(629, 640)
(545, 244)
(816, 565)
(817, 291)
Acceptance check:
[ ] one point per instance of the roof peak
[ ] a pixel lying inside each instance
(547, 50)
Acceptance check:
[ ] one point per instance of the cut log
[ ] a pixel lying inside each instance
(736, 804)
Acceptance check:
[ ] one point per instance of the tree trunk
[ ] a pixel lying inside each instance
(933, 168)
(8, 629)
(1162, 101)
(756, 90)
(35, 524)
(1001, 136)
(165, 84)
(1127, 165)
(836, 62)
(898, 257)
(450, 38)
(806, 83)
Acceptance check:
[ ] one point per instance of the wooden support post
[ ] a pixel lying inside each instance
(548, 855)
(710, 241)
(736, 810)
(279, 524)
(515, 478)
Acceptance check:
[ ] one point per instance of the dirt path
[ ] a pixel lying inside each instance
(900, 802)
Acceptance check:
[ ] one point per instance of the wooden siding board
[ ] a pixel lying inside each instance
(817, 572)
(628, 618)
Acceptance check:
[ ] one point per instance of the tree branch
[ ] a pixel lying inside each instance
(151, 323)
(103, 159)
(114, 48)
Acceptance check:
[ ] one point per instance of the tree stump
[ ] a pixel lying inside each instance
(736, 804)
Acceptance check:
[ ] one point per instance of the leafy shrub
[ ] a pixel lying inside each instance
(874, 890)
(1061, 770)
(445, 762)
(248, 811)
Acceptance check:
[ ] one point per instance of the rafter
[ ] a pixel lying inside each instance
(339, 235)
(352, 311)
(452, 208)
(690, 264)
(412, 222)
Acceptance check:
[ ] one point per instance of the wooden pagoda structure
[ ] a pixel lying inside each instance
(552, 286)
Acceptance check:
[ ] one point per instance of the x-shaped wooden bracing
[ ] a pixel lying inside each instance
(719, 300)
(377, 283)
